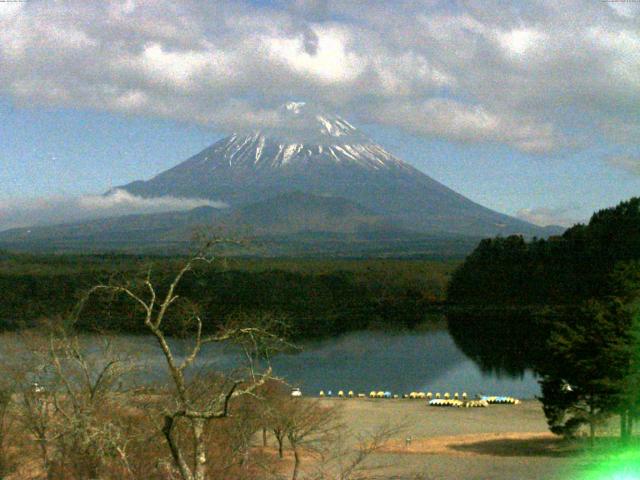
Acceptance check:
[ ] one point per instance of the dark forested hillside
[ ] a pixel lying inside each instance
(508, 290)
(561, 270)
(315, 297)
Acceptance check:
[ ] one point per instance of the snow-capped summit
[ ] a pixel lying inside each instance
(260, 150)
(300, 122)
(318, 153)
(303, 136)
(294, 107)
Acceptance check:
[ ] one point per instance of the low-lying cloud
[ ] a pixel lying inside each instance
(548, 216)
(628, 163)
(56, 210)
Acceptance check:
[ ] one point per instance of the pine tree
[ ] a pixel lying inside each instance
(586, 376)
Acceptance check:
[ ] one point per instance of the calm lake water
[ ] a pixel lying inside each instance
(358, 361)
(400, 363)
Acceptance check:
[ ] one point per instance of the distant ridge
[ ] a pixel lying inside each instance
(290, 224)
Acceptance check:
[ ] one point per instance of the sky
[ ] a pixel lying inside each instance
(529, 108)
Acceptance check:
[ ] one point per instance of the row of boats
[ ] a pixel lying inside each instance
(483, 401)
(387, 394)
(436, 400)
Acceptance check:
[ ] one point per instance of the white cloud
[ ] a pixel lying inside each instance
(174, 68)
(628, 163)
(54, 210)
(327, 60)
(10, 9)
(628, 9)
(522, 76)
(548, 216)
(519, 41)
(469, 123)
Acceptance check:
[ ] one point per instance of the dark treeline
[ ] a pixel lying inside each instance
(561, 270)
(314, 297)
(508, 289)
(568, 308)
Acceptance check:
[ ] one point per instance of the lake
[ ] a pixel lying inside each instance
(358, 361)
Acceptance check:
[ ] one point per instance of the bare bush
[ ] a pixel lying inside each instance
(64, 399)
(346, 457)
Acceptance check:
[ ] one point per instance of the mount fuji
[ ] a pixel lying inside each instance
(324, 155)
(310, 177)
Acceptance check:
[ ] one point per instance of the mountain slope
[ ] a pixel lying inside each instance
(129, 229)
(297, 212)
(293, 223)
(322, 154)
(289, 213)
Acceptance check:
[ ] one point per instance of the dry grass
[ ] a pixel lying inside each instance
(509, 444)
(500, 442)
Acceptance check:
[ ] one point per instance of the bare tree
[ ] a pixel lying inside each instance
(310, 427)
(191, 405)
(89, 388)
(271, 394)
(34, 403)
(35, 413)
(66, 399)
(341, 459)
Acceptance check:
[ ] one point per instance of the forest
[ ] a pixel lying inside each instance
(566, 307)
(561, 270)
(510, 288)
(315, 297)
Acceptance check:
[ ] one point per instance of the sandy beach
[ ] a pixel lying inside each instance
(497, 442)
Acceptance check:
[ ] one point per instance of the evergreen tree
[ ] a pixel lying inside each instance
(626, 286)
(585, 379)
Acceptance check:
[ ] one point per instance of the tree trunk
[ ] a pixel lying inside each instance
(199, 449)
(245, 457)
(630, 425)
(44, 452)
(296, 464)
(280, 446)
(592, 426)
(167, 430)
(264, 436)
(624, 432)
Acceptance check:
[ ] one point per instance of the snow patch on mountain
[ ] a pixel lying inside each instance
(257, 150)
(305, 136)
(295, 107)
(299, 122)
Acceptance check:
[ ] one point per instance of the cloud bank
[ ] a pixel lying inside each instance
(548, 216)
(628, 163)
(536, 76)
(56, 210)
